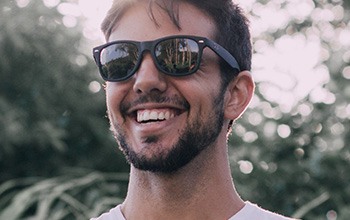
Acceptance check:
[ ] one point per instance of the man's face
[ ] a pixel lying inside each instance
(162, 122)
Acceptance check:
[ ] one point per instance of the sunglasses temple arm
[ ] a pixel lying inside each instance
(224, 54)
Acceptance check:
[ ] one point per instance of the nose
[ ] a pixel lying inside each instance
(148, 78)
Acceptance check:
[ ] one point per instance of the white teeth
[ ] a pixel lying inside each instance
(167, 115)
(153, 116)
(146, 115)
(161, 116)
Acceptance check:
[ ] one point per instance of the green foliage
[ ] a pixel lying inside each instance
(304, 174)
(72, 196)
(48, 115)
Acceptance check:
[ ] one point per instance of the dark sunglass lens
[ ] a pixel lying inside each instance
(118, 61)
(178, 56)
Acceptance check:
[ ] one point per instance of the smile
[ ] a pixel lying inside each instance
(154, 115)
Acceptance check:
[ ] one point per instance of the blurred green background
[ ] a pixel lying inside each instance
(289, 152)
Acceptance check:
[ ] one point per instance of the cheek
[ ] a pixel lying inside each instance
(111, 99)
(202, 101)
(114, 96)
(201, 90)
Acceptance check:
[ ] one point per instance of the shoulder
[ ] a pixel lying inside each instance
(113, 214)
(251, 212)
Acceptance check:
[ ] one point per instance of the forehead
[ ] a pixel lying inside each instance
(138, 24)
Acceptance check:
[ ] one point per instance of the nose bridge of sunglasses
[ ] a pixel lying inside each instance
(146, 46)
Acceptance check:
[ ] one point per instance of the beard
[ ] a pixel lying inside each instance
(193, 139)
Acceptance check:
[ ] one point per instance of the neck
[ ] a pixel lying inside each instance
(203, 189)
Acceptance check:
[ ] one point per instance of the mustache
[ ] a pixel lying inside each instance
(155, 98)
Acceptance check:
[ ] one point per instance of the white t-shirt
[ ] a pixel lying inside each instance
(249, 212)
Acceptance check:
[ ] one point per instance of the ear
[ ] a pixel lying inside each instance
(238, 95)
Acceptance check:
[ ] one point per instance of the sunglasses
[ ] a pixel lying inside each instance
(173, 55)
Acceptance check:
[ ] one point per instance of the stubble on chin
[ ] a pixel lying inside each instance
(150, 139)
(192, 141)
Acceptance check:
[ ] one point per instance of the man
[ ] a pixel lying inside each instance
(172, 93)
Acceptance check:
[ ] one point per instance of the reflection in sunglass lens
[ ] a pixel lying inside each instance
(118, 60)
(177, 56)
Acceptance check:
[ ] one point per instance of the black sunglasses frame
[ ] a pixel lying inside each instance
(150, 46)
